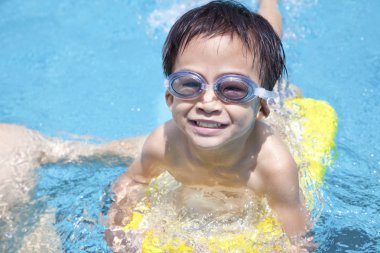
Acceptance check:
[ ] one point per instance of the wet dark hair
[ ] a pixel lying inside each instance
(229, 17)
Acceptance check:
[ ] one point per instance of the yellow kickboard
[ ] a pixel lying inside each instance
(319, 123)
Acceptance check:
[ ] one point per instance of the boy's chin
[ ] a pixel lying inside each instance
(208, 143)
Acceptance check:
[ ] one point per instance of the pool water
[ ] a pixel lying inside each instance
(93, 68)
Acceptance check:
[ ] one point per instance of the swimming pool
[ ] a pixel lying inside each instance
(75, 67)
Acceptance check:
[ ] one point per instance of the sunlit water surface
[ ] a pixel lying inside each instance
(94, 69)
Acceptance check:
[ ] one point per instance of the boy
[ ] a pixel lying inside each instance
(221, 62)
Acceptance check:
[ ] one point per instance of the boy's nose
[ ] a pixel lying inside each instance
(209, 102)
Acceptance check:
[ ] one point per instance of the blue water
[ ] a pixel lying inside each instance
(94, 68)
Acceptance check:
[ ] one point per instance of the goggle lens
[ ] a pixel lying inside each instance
(235, 90)
(186, 86)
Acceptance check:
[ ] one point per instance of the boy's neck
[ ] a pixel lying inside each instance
(223, 157)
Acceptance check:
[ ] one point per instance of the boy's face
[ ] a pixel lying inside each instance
(206, 120)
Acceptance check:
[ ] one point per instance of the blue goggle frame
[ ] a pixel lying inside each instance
(194, 85)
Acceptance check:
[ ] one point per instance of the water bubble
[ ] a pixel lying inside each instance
(8, 235)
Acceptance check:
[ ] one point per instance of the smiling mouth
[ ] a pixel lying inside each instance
(207, 124)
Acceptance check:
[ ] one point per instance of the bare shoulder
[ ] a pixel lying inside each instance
(146, 164)
(155, 142)
(160, 141)
(153, 154)
(275, 164)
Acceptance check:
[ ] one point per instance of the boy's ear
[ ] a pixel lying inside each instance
(169, 99)
(264, 109)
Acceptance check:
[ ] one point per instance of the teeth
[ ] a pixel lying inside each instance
(208, 124)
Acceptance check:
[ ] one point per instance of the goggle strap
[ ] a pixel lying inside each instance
(265, 94)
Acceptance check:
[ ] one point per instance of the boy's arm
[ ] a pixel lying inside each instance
(270, 11)
(286, 200)
(129, 188)
(279, 183)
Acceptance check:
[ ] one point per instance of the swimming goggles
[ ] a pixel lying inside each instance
(230, 88)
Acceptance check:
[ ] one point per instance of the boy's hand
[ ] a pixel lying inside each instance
(118, 215)
(128, 193)
(127, 196)
(302, 244)
(121, 241)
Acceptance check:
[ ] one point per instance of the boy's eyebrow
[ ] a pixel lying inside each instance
(217, 77)
(232, 73)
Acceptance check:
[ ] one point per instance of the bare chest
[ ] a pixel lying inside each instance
(189, 172)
